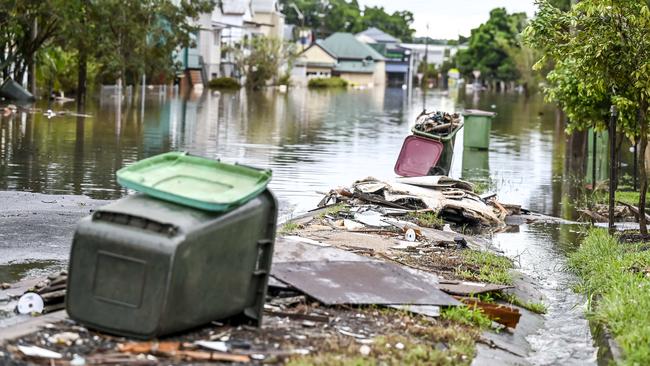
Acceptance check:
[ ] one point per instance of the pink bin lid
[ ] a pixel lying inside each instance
(417, 157)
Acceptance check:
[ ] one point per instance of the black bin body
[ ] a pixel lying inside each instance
(144, 268)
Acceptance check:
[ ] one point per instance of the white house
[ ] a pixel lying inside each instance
(229, 24)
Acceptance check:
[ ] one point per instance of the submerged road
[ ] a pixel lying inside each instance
(36, 230)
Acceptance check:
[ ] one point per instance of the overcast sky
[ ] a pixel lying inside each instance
(449, 18)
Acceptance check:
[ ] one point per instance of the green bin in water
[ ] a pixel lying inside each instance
(477, 128)
(144, 267)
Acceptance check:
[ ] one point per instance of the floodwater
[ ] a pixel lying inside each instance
(314, 141)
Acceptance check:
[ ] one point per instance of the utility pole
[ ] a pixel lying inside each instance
(426, 56)
(612, 167)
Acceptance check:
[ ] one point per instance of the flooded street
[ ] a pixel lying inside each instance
(314, 141)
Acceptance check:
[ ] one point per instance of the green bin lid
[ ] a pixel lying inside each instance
(195, 181)
(477, 112)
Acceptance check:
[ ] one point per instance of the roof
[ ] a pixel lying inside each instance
(319, 44)
(346, 46)
(378, 35)
(355, 67)
(265, 6)
(365, 39)
(320, 64)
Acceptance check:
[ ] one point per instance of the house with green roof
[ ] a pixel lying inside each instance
(342, 55)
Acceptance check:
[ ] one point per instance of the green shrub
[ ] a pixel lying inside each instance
(224, 83)
(285, 80)
(333, 82)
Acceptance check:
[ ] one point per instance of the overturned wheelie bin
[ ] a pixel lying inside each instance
(145, 267)
(430, 150)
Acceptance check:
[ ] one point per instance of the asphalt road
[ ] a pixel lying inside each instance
(36, 230)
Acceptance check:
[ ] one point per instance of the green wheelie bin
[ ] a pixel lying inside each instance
(477, 128)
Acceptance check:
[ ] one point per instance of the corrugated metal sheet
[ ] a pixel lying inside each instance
(362, 283)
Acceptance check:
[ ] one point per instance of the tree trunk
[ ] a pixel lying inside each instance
(643, 173)
(82, 73)
(31, 73)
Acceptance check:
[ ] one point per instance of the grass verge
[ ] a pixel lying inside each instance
(427, 219)
(485, 266)
(467, 315)
(289, 228)
(615, 279)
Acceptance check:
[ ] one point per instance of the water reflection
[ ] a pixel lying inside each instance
(476, 165)
(313, 140)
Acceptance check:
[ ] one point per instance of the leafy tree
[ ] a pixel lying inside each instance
(263, 62)
(397, 24)
(601, 53)
(325, 17)
(25, 26)
(342, 16)
(563, 5)
(491, 45)
(138, 37)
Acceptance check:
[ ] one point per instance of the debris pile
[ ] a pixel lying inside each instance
(38, 297)
(623, 212)
(454, 200)
(437, 122)
(373, 273)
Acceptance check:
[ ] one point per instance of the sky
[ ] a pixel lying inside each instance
(449, 18)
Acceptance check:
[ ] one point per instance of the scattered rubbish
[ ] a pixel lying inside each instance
(449, 200)
(351, 334)
(461, 243)
(371, 218)
(213, 345)
(352, 225)
(364, 350)
(30, 303)
(64, 338)
(436, 182)
(373, 282)
(437, 122)
(148, 347)
(11, 90)
(288, 300)
(405, 244)
(308, 317)
(410, 235)
(308, 323)
(77, 360)
(428, 310)
(502, 314)
(466, 288)
(34, 351)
